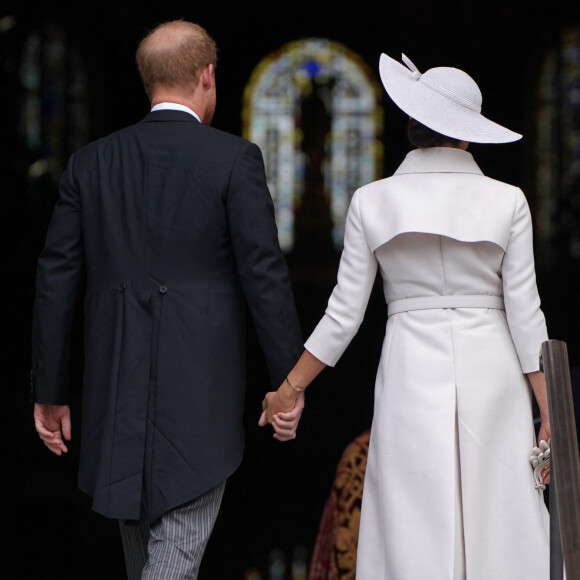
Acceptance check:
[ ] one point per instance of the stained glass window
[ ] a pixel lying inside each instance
(557, 153)
(546, 151)
(313, 107)
(54, 118)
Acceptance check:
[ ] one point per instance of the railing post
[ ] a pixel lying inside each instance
(564, 452)
(556, 562)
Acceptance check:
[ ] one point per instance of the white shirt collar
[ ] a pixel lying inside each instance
(174, 107)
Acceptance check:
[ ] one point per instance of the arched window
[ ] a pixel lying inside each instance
(313, 107)
(557, 154)
(54, 118)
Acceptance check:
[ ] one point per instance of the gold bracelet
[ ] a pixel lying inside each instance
(297, 389)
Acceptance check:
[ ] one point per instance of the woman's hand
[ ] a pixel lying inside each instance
(544, 435)
(538, 383)
(280, 401)
(283, 412)
(283, 408)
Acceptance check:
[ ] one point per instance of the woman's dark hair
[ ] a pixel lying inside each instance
(421, 136)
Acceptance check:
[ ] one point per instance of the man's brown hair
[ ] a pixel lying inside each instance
(173, 54)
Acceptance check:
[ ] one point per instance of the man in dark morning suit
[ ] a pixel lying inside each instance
(167, 230)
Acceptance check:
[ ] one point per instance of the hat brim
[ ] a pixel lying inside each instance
(436, 111)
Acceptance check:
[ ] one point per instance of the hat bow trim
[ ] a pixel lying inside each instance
(414, 70)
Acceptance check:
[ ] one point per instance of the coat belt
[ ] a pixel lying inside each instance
(440, 302)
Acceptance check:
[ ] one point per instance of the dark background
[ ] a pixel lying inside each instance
(276, 498)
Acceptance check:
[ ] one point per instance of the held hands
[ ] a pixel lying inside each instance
(52, 423)
(283, 411)
(283, 408)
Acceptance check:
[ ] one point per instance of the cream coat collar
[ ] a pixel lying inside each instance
(438, 160)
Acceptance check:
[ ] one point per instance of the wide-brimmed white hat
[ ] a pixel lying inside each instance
(444, 99)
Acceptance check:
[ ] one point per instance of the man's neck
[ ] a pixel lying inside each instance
(189, 101)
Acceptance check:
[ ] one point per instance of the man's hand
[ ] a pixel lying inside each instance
(52, 423)
(284, 423)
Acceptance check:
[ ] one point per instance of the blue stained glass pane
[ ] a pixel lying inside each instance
(312, 68)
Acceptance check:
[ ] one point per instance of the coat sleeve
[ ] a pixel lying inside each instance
(261, 266)
(522, 303)
(59, 279)
(349, 299)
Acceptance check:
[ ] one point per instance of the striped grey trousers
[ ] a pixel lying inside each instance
(172, 546)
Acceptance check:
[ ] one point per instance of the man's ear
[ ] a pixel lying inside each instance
(207, 77)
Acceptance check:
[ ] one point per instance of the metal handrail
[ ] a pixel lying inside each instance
(565, 468)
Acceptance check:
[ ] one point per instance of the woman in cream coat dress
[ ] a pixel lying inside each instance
(448, 491)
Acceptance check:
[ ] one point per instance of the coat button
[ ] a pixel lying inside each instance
(122, 287)
(163, 289)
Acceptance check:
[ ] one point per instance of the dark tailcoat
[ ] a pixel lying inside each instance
(170, 225)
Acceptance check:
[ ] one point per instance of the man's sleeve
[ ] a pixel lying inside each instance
(59, 279)
(261, 266)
